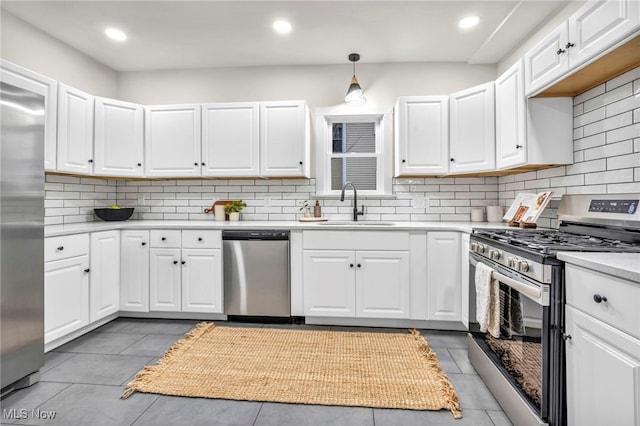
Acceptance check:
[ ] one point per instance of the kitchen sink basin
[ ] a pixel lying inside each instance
(359, 223)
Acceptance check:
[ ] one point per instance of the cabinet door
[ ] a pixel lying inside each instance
(134, 271)
(473, 139)
(66, 296)
(443, 276)
(421, 135)
(382, 284)
(118, 138)
(105, 274)
(510, 118)
(231, 139)
(172, 141)
(598, 25)
(603, 371)
(284, 139)
(547, 61)
(202, 280)
(75, 130)
(329, 283)
(44, 86)
(464, 279)
(164, 280)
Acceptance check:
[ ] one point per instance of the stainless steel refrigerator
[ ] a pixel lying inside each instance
(21, 235)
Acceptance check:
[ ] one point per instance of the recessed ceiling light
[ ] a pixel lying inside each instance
(282, 27)
(468, 22)
(115, 34)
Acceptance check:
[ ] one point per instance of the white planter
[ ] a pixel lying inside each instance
(234, 216)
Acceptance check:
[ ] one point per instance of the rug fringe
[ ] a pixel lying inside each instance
(142, 378)
(448, 392)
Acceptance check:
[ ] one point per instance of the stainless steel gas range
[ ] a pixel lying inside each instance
(517, 294)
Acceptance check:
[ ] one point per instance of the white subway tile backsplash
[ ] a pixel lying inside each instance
(623, 133)
(623, 161)
(614, 176)
(608, 97)
(589, 94)
(590, 141)
(625, 78)
(589, 117)
(610, 123)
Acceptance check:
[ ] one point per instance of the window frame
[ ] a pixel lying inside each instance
(384, 149)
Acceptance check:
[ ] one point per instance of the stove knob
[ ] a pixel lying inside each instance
(523, 266)
(482, 248)
(474, 246)
(511, 262)
(494, 254)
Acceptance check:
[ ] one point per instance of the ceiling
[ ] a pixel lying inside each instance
(215, 33)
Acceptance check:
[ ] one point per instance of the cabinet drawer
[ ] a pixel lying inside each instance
(201, 239)
(620, 310)
(64, 247)
(356, 240)
(166, 238)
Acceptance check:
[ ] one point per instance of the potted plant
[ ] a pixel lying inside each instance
(234, 208)
(304, 208)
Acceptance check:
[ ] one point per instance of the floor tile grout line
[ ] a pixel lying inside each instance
(257, 414)
(145, 410)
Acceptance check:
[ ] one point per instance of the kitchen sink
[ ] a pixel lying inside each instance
(358, 223)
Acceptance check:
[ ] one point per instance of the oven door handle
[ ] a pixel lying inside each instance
(532, 292)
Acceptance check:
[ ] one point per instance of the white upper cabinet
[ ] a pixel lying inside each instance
(21, 77)
(231, 139)
(75, 131)
(421, 135)
(472, 143)
(118, 138)
(284, 138)
(536, 131)
(593, 29)
(172, 141)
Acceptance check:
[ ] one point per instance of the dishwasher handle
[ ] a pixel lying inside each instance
(240, 235)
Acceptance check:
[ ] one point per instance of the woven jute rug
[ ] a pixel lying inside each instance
(383, 370)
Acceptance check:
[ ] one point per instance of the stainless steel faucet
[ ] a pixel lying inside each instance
(356, 212)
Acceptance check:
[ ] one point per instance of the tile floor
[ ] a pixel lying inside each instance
(82, 382)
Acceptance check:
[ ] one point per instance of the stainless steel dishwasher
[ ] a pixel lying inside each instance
(256, 273)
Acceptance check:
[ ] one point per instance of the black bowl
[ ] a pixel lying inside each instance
(114, 214)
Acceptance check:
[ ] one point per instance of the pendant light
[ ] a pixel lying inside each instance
(355, 95)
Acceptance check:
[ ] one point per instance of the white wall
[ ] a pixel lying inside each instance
(320, 86)
(33, 49)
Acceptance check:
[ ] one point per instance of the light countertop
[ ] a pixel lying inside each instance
(622, 265)
(79, 228)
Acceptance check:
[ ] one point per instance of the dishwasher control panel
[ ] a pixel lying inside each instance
(255, 235)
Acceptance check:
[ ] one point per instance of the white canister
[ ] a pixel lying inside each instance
(495, 213)
(477, 215)
(218, 212)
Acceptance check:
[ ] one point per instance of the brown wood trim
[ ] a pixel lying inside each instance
(123, 178)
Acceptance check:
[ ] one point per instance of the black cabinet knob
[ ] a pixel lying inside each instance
(560, 52)
(195, 164)
(404, 161)
(183, 262)
(139, 164)
(144, 244)
(60, 248)
(175, 262)
(86, 271)
(599, 299)
(300, 163)
(518, 146)
(199, 238)
(202, 164)
(566, 337)
(359, 265)
(90, 160)
(351, 265)
(164, 238)
(452, 160)
(569, 45)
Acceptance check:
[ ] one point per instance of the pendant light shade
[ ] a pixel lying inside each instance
(355, 95)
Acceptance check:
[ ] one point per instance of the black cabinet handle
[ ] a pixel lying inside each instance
(60, 248)
(183, 262)
(566, 337)
(359, 265)
(599, 299)
(90, 160)
(351, 265)
(175, 262)
(518, 146)
(202, 164)
(560, 52)
(300, 163)
(164, 238)
(144, 244)
(139, 164)
(452, 160)
(404, 161)
(86, 271)
(195, 164)
(569, 45)
(199, 238)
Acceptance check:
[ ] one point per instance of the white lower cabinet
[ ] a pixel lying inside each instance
(186, 277)
(66, 296)
(602, 348)
(134, 271)
(444, 299)
(104, 288)
(66, 285)
(329, 283)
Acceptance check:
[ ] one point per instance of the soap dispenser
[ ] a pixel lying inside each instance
(316, 209)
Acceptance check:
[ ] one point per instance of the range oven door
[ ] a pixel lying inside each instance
(521, 350)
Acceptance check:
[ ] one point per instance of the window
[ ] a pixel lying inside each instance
(353, 148)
